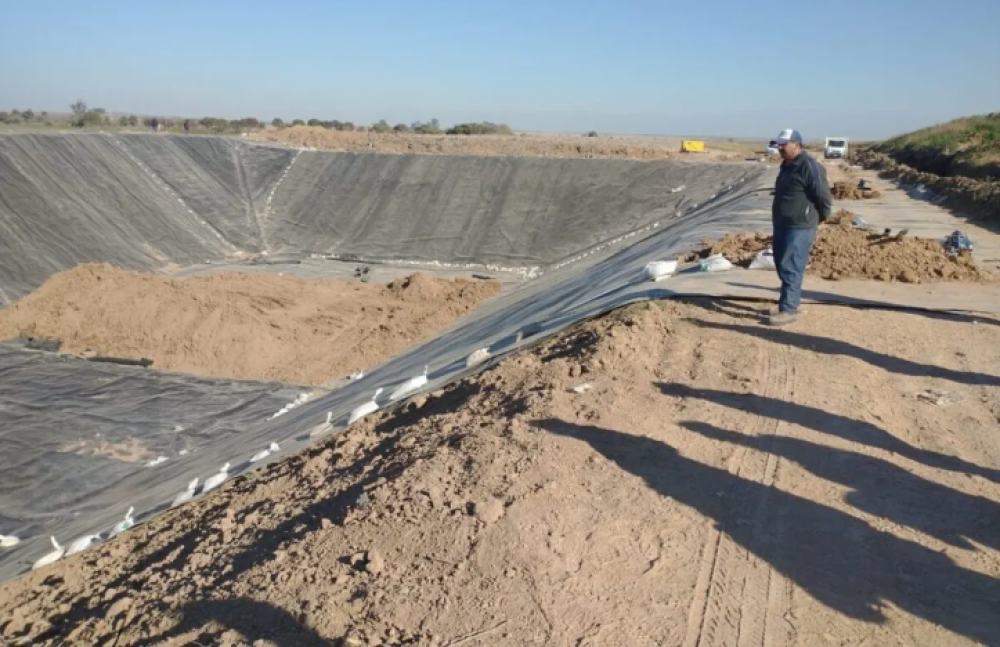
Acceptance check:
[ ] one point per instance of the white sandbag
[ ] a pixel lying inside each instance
(715, 263)
(657, 270)
(764, 260)
(477, 357)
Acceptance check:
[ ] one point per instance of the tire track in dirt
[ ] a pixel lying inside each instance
(739, 599)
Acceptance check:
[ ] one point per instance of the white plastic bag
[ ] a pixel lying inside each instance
(715, 263)
(764, 260)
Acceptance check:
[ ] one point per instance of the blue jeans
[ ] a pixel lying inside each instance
(791, 255)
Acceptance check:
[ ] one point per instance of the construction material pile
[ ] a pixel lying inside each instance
(861, 191)
(845, 251)
(258, 326)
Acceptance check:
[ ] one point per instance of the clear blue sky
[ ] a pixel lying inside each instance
(708, 67)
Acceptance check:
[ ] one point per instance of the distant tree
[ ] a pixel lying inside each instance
(277, 123)
(314, 122)
(483, 128)
(28, 115)
(401, 128)
(84, 116)
(123, 121)
(215, 124)
(3, 116)
(248, 123)
(592, 133)
(14, 117)
(79, 108)
(133, 121)
(381, 127)
(298, 122)
(346, 126)
(44, 115)
(431, 127)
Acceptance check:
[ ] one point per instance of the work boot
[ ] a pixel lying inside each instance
(781, 318)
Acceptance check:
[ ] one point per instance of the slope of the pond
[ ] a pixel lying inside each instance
(145, 202)
(65, 200)
(513, 212)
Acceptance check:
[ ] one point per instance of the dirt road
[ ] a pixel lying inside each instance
(919, 210)
(718, 483)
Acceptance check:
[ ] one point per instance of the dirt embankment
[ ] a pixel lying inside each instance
(843, 251)
(965, 147)
(246, 326)
(709, 458)
(979, 195)
(534, 145)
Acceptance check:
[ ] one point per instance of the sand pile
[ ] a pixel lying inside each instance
(843, 251)
(241, 325)
(850, 191)
(509, 510)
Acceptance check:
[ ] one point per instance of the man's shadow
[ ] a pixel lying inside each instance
(252, 619)
(840, 560)
(858, 431)
(881, 488)
(828, 346)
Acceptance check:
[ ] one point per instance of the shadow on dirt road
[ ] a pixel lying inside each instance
(840, 560)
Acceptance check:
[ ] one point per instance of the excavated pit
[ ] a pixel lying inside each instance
(212, 258)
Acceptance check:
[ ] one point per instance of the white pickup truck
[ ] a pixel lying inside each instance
(835, 147)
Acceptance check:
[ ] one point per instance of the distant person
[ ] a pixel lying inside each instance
(802, 201)
(187, 126)
(154, 124)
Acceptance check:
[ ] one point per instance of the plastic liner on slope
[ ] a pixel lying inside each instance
(225, 181)
(76, 437)
(69, 199)
(59, 397)
(511, 212)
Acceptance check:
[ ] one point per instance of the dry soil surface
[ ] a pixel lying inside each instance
(842, 251)
(522, 144)
(718, 483)
(247, 326)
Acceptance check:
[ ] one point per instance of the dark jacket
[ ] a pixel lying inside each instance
(802, 197)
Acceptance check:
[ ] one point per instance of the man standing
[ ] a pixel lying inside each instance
(802, 200)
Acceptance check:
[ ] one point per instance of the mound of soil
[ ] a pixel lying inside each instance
(241, 325)
(842, 251)
(848, 191)
(509, 510)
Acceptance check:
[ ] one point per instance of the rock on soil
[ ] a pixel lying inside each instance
(240, 325)
(843, 251)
